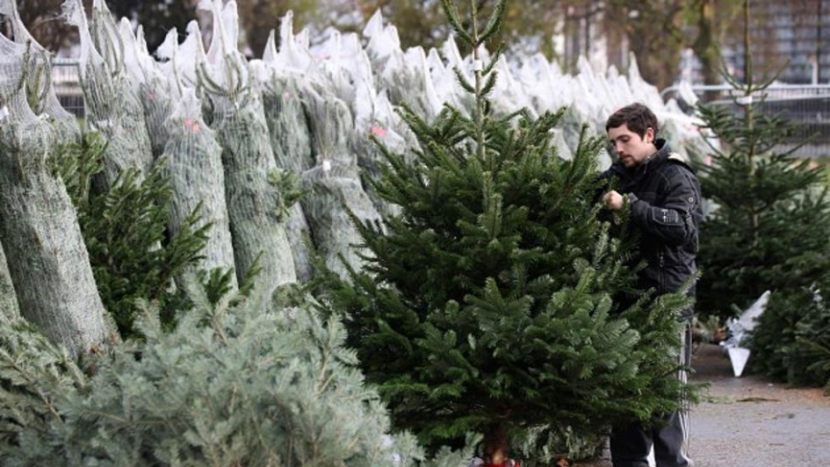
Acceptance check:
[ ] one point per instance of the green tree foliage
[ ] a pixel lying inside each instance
(124, 230)
(770, 228)
(493, 302)
(792, 339)
(234, 383)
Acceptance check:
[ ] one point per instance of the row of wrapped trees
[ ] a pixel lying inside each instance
(459, 261)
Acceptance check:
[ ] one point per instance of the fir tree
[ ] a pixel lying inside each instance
(233, 383)
(124, 230)
(491, 303)
(770, 227)
(792, 339)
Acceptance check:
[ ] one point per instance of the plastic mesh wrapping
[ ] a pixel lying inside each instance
(45, 252)
(285, 114)
(193, 162)
(149, 83)
(8, 300)
(334, 184)
(239, 121)
(376, 119)
(40, 91)
(404, 75)
(112, 106)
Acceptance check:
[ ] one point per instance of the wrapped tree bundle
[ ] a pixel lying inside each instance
(239, 121)
(285, 115)
(45, 253)
(149, 83)
(334, 184)
(375, 120)
(112, 106)
(193, 163)
(39, 89)
(8, 300)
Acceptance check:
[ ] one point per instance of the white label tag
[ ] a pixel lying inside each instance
(4, 112)
(478, 65)
(745, 100)
(326, 165)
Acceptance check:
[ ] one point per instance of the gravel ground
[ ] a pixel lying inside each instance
(751, 421)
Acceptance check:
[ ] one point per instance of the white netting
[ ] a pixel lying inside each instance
(40, 91)
(46, 255)
(285, 114)
(112, 105)
(8, 300)
(404, 75)
(334, 184)
(149, 83)
(193, 161)
(282, 94)
(376, 118)
(239, 121)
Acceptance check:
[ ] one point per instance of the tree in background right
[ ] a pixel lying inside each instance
(769, 224)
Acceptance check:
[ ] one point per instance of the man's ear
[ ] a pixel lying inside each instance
(648, 137)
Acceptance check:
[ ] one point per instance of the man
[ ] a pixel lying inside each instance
(663, 195)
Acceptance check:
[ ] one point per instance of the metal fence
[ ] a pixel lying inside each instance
(66, 79)
(808, 106)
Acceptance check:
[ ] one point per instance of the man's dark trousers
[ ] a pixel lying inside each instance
(630, 445)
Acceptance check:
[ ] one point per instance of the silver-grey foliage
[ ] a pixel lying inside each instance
(231, 385)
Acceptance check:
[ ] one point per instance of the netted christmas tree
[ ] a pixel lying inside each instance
(110, 100)
(771, 227)
(47, 262)
(255, 204)
(496, 301)
(40, 90)
(133, 254)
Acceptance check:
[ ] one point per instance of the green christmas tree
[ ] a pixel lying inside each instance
(493, 303)
(125, 231)
(770, 226)
(792, 339)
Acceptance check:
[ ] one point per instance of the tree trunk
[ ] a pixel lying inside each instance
(8, 300)
(496, 446)
(46, 255)
(705, 45)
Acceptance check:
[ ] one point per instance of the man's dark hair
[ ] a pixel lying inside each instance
(637, 117)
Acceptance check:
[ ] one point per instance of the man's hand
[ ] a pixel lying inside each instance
(613, 200)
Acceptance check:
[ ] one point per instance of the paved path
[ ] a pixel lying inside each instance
(752, 422)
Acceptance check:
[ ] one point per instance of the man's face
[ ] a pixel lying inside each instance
(632, 148)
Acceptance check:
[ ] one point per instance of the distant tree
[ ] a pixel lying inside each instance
(42, 19)
(259, 17)
(155, 17)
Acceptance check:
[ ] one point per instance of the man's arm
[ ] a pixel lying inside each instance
(673, 222)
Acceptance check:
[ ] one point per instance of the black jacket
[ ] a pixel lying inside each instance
(664, 196)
